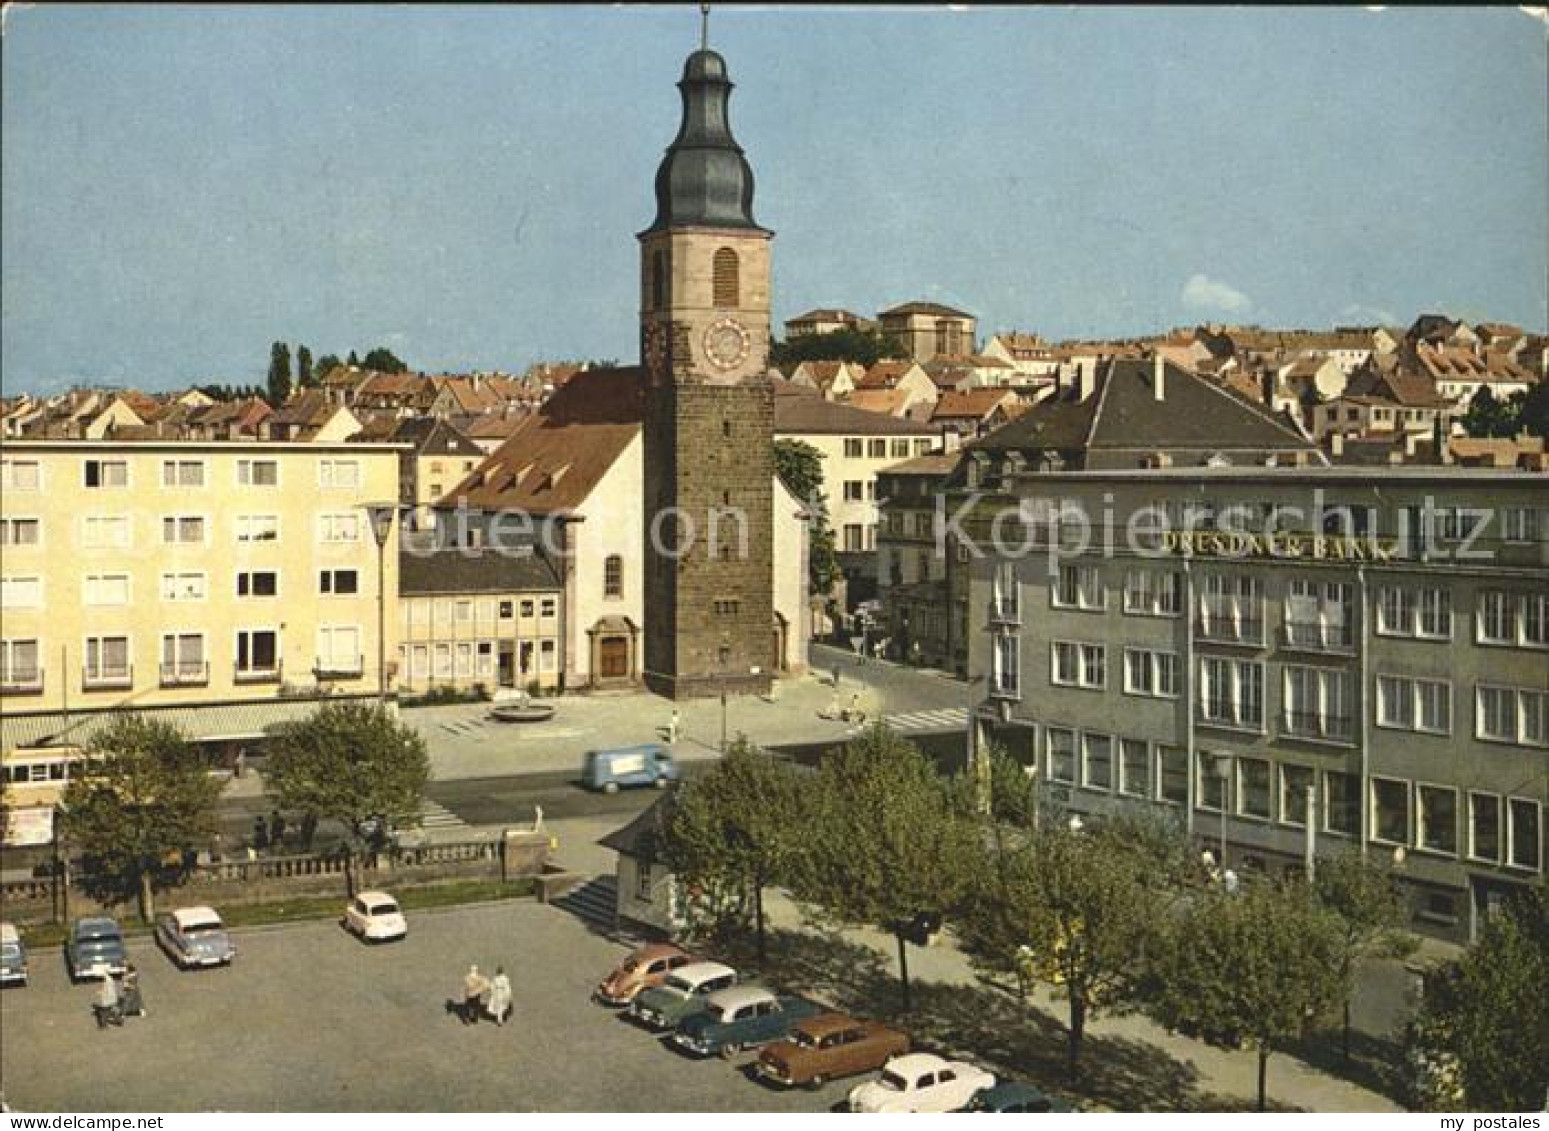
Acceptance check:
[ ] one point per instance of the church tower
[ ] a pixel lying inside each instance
(709, 408)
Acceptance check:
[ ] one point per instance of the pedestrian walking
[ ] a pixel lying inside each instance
(277, 828)
(500, 996)
(239, 764)
(474, 987)
(672, 727)
(836, 677)
(260, 833)
(107, 1005)
(131, 1003)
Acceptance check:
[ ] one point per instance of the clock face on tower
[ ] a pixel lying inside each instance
(727, 343)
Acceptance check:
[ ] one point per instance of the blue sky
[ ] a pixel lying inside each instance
(182, 186)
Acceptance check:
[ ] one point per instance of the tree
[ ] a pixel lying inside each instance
(1533, 413)
(1260, 961)
(1487, 416)
(887, 844)
(279, 374)
(353, 763)
(800, 467)
(737, 827)
(382, 360)
(1488, 1012)
(864, 346)
(305, 378)
(325, 365)
(1371, 912)
(1080, 906)
(141, 798)
(352, 361)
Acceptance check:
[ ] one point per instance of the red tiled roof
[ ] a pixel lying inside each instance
(557, 456)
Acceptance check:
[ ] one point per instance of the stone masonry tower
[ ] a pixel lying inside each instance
(709, 409)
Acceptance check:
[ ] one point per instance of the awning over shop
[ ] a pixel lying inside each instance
(221, 722)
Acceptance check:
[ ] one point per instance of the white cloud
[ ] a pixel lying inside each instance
(1202, 293)
(1360, 314)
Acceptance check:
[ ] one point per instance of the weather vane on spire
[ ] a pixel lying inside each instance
(704, 27)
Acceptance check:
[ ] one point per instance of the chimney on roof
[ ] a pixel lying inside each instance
(1086, 379)
(1159, 376)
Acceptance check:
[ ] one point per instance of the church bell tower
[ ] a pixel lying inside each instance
(709, 408)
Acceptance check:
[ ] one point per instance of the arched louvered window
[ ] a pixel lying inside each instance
(724, 280)
(658, 280)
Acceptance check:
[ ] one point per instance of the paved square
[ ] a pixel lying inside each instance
(310, 1019)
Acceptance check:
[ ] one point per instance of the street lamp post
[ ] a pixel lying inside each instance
(1223, 768)
(381, 515)
(1310, 844)
(978, 764)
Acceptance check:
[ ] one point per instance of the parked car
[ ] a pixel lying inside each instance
(827, 1047)
(13, 956)
(646, 967)
(375, 917)
(1015, 1096)
(194, 936)
(95, 949)
(921, 1082)
(682, 992)
(649, 764)
(738, 1018)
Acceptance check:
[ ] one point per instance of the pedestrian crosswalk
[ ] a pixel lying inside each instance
(922, 722)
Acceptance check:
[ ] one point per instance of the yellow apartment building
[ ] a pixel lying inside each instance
(221, 586)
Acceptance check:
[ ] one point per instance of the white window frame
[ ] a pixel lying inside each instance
(1155, 662)
(1510, 845)
(1469, 847)
(1075, 754)
(328, 474)
(250, 632)
(236, 588)
(175, 585)
(102, 675)
(1409, 811)
(1082, 653)
(1293, 811)
(331, 526)
(10, 675)
(178, 520)
(103, 462)
(354, 658)
(176, 467)
(10, 524)
(1409, 691)
(1417, 800)
(257, 528)
(1086, 778)
(1520, 697)
(120, 527)
(245, 471)
(1240, 793)
(90, 581)
(331, 577)
(1088, 580)
(11, 596)
(1122, 781)
(11, 481)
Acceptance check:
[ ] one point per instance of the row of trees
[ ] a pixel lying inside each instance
(1113, 912)
(143, 799)
(308, 374)
(864, 346)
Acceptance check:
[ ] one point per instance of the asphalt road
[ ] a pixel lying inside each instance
(308, 1019)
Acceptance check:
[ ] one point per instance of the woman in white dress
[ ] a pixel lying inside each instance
(500, 996)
